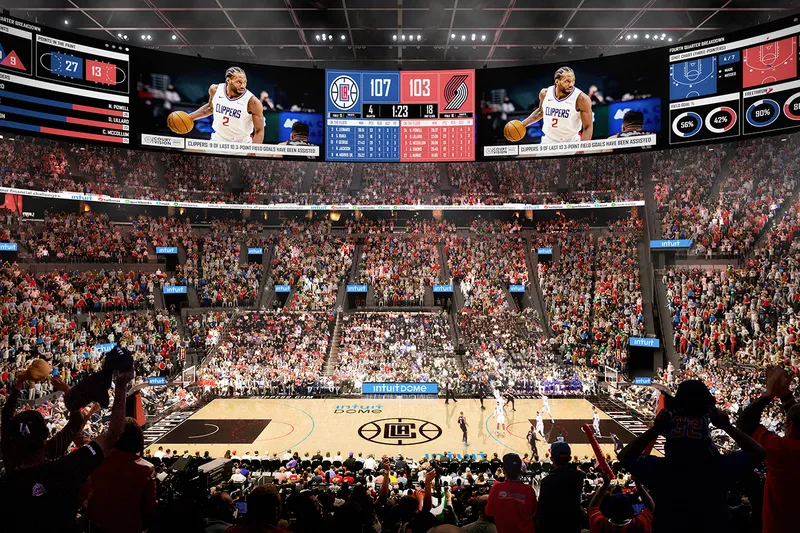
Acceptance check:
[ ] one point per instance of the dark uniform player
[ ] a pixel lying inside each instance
(510, 398)
(462, 423)
(482, 393)
(532, 441)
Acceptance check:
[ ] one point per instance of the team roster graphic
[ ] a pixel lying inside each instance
(580, 107)
(400, 116)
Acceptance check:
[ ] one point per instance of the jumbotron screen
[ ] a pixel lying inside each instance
(400, 116)
(221, 107)
(581, 107)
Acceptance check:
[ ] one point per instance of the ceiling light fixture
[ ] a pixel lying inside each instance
(343, 37)
(403, 37)
(330, 37)
(646, 35)
(627, 37)
(635, 36)
(174, 37)
(453, 36)
(670, 39)
(410, 37)
(473, 36)
(483, 37)
(463, 37)
(66, 22)
(569, 40)
(419, 37)
(394, 37)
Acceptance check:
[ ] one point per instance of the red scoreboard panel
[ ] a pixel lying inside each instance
(447, 134)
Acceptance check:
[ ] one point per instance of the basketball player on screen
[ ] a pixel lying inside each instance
(566, 111)
(238, 114)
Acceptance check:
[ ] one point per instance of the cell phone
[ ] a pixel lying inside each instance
(241, 507)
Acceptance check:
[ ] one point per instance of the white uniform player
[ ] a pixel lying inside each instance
(596, 421)
(562, 120)
(500, 416)
(232, 121)
(540, 425)
(546, 407)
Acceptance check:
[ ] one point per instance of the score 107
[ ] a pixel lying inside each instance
(401, 111)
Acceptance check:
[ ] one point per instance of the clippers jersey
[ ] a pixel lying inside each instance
(561, 122)
(232, 122)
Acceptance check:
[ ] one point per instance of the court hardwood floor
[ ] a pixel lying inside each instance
(402, 426)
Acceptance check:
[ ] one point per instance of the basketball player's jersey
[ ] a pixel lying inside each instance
(561, 122)
(462, 422)
(232, 121)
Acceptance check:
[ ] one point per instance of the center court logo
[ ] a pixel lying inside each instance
(456, 92)
(344, 92)
(400, 431)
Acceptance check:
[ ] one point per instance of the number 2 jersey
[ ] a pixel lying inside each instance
(232, 121)
(562, 121)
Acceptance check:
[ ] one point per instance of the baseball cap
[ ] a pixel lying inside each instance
(29, 430)
(618, 508)
(512, 465)
(560, 451)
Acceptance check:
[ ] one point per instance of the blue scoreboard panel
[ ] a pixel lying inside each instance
(400, 116)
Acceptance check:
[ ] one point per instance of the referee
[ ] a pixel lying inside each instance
(462, 423)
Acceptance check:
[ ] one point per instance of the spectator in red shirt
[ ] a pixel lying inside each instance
(615, 513)
(780, 512)
(263, 512)
(122, 491)
(512, 503)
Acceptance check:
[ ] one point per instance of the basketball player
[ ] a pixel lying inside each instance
(632, 125)
(238, 114)
(566, 111)
(299, 136)
(462, 423)
(539, 424)
(531, 438)
(546, 408)
(500, 415)
(596, 421)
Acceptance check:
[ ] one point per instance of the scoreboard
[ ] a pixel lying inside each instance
(735, 87)
(55, 83)
(400, 116)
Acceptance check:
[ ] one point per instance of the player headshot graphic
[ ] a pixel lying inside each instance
(238, 114)
(565, 110)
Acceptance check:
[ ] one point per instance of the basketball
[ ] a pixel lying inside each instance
(180, 122)
(39, 369)
(514, 130)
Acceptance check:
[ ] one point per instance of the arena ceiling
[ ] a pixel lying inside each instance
(388, 34)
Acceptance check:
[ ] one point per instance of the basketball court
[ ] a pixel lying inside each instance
(401, 426)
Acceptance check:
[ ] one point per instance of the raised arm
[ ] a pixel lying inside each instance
(387, 470)
(117, 423)
(207, 109)
(255, 109)
(538, 113)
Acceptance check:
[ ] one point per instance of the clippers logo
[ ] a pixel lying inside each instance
(456, 92)
(344, 92)
(400, 431)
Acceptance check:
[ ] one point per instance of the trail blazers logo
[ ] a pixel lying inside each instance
(456, 92)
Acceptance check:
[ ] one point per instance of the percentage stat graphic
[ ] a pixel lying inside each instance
(81, 65)
(15, 50)
(704, 119)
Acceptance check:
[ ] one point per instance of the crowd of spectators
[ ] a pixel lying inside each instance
(388, 347)
(84, 237)
(398, 183)
(314, 265)
(527, 177)
(279, 180)
(566, 287)
(684, 180)
(223, 280)
(606, 174)
(484, 267)
(617, 313)
(331, 182)
(400, 268)
(267, 352)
